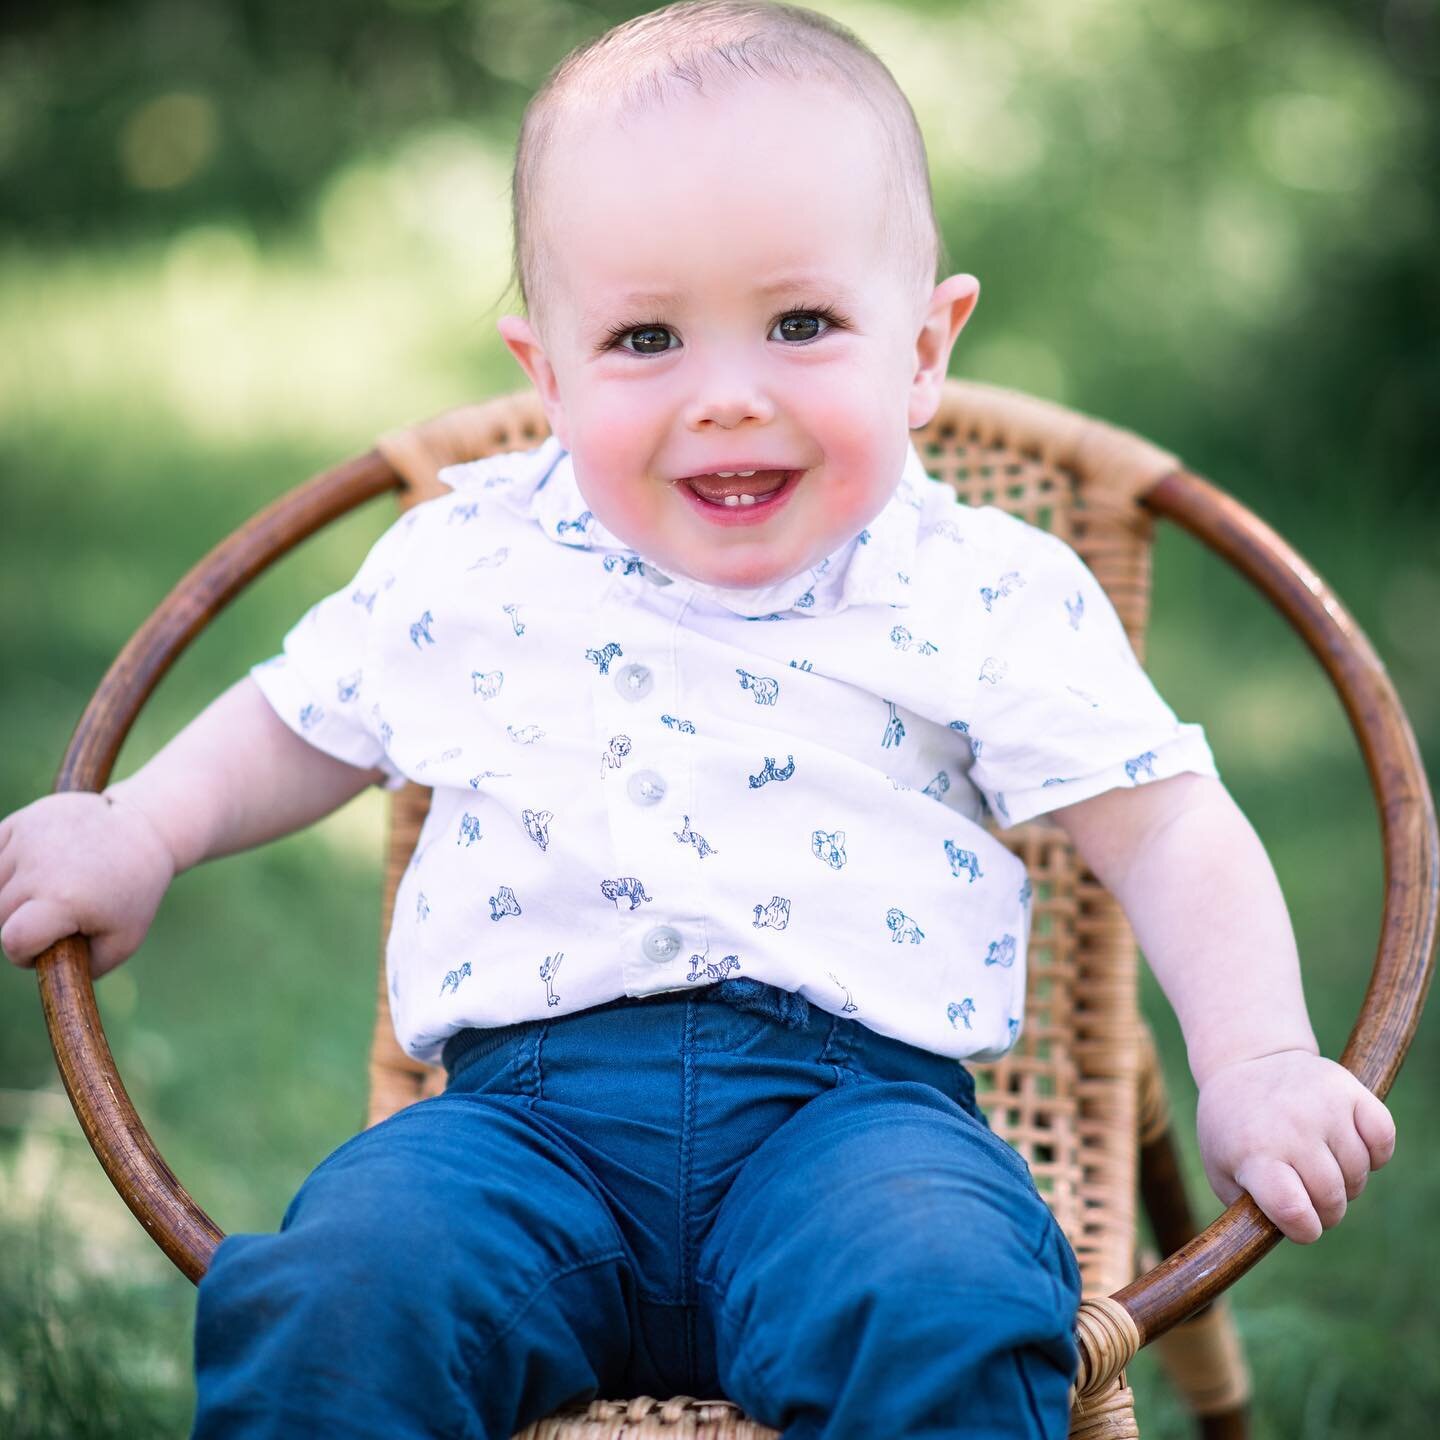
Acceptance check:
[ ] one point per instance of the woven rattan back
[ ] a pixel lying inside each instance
(1066, 1096)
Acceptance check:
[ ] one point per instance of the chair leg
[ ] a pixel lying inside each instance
(1201, 1355)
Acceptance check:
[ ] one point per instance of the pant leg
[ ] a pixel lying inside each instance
(883, 1265)
(450, 1272)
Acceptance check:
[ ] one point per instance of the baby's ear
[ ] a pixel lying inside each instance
(524, 344)
(944, 318)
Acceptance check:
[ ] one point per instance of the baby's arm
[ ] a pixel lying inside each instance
(1274, 1118)
(98, 865)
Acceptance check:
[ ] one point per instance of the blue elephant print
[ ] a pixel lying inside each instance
(775, 915)
(829, 847)
(525, 735)
(537, 826)
(504, 903)
(469, 829)
(762, 687)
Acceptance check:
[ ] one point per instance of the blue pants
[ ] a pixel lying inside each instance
(712, 1192)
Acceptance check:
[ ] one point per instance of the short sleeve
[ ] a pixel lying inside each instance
(1060, 707)
(324, 684)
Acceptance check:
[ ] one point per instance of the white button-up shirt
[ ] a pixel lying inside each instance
(643, 783)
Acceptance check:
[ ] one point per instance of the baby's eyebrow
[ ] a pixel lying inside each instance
(813, 285)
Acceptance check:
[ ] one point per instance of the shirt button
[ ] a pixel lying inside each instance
(661, 944)
(646, 787)
(634, 682)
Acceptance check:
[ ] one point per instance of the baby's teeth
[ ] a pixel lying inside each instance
(744, 472)
(733, 500)
(725, 474)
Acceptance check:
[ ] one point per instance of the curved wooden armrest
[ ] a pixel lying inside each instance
(1111, 1330)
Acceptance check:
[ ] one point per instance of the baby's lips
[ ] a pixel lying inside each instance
(715, 486)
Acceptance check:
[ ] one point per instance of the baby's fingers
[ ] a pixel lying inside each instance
(33, 928)
(1285, 1198)
(1377, 1128)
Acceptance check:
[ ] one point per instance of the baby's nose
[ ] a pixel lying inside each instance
(726, 403)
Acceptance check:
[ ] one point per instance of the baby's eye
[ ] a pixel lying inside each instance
(800, 325)
(648, 340)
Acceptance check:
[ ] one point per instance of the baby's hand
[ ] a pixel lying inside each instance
(1298, 1132)
(80, 863)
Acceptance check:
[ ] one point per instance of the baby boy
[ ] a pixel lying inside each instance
(714, 688)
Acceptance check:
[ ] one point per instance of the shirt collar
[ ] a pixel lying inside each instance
(871, 568)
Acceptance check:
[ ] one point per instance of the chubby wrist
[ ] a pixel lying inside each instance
(1205, 1065)
(124, 797)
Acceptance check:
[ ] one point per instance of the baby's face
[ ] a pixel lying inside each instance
(719, 296)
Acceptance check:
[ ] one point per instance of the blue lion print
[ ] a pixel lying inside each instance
(801, 665)
(365, 598)
(469, 829)
(516, 623)
(1076, 610)
(1001, 952)
(486, 683)
(420, 630)
(525, 735)
(993, 670)
(1008, 582)
(464, 513)
(422, 907)
(633, 564)
(715, 969)
(615, 752)
(311, 716)
(963, 726)
(761, 686)
(1140, 765)
(579, 524)
(963, 1011)
(504, 903)
(900, 638)
(627, 887)
(775, 915)
(685, 727)
(687, 836)
(537, 826)
(603, 657)
(902, 927)
(454, 977)
(829, 847)
(938, 786)
(547, 974)
(488, 562)
(894, 728)
(770, 773)
(1026, 891)
(849, 1007)
(966, 860)
(347, 687)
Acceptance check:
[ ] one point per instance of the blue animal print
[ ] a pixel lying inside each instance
(454, 977)
(442, 758)
(894, 728)
(687, 836)
(1026, 891)
(801, 665)
(422, 907)
(525, 735)
(993, 670)
(1076, 610)
(516, 623)
(849, 1007)
(1008, 582)
(902, 927)
(685, 727)
(1046, 784)
(1014, 1024)
(579, 524)
(365, 598)
(311, 716)
(829, 847)
(615, 752)
(537, 826)
(902, 577)
(963, 726)
(949, 530)
(761, 686)
(464, 513)
(863, 537)
(900, 638)
(1140, 765)
(715, 969)
(750, 619)
(504, 903)
(547, 974)
(1001, 952)
(775, 915)
(966, 860)
(488, 775)
(488, 562)
(806, 600)
(938, 786)
(632, 563)
(603, 657)
(770, 773)
(469, 829)
(420, 630)
(347, 687)
(625, 888)
(963, 1011)
(486, 683)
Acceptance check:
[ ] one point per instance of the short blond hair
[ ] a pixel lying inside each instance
(641, 61)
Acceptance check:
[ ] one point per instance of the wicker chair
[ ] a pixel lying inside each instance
(1081, 1096)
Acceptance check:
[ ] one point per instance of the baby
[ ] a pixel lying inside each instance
(713, 690)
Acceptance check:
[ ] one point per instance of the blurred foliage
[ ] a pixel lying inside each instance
(237, 240)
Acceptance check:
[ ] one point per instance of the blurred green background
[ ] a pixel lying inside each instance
(240, 239)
